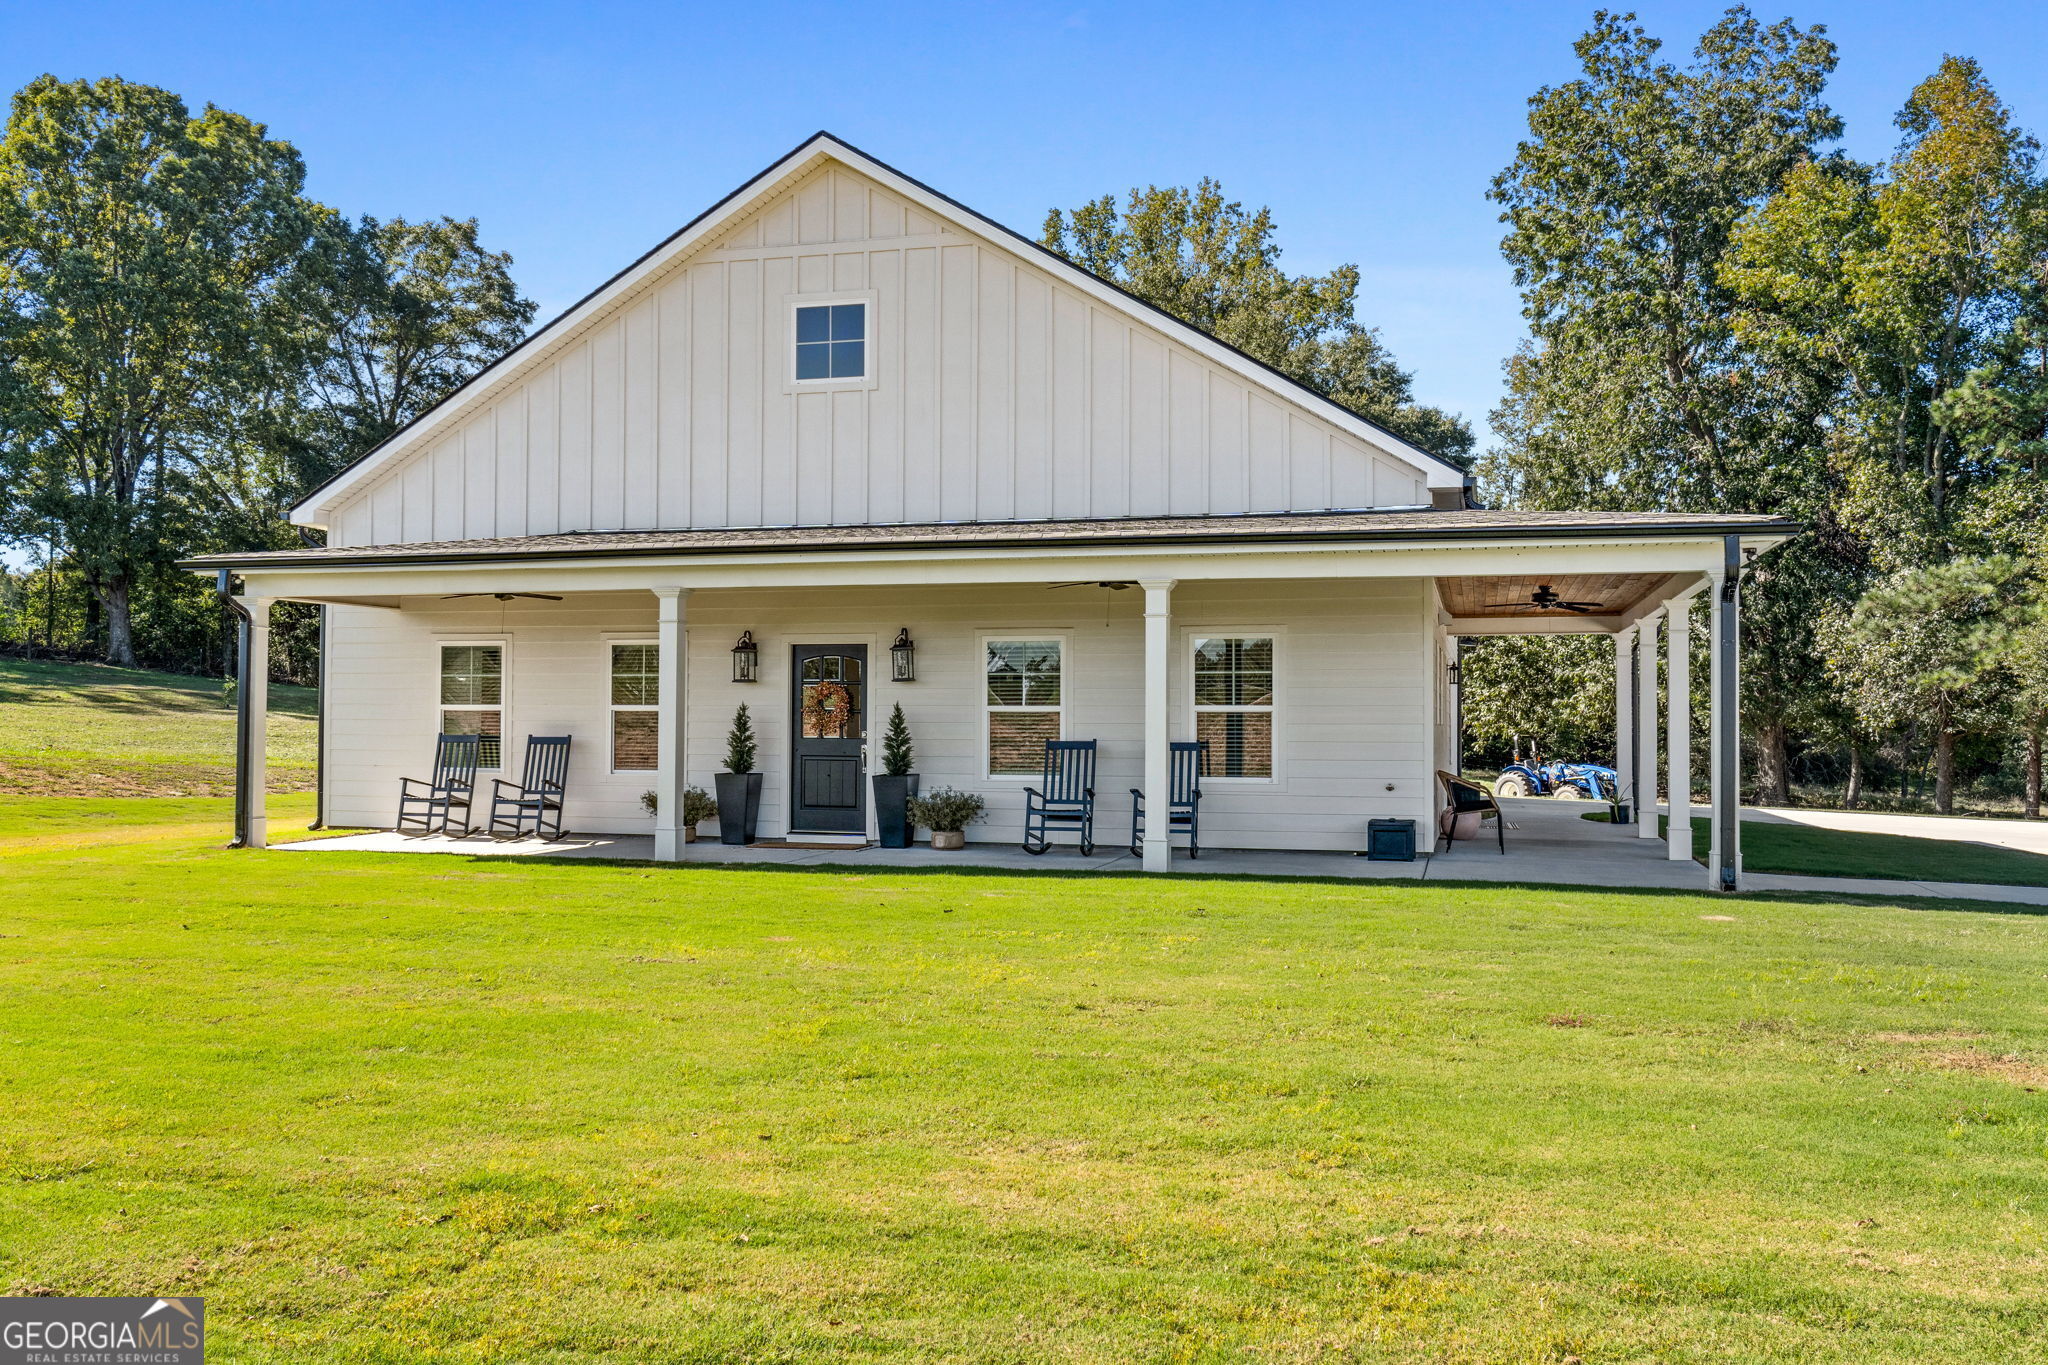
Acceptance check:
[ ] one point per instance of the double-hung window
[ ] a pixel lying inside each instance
(1025, 704)
(1233, 677)
(473, 697)
(636, 691)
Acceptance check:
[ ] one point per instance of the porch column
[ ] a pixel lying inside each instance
(252, 722)
(1646, 726)
(1624, 719)
(1724, 863)
(1158, 658)
(670, 755)
(1678, 723)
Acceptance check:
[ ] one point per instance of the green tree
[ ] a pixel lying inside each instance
(1215, 265)
(148, 269)
(897, 751)
(1920, 284)
(414, 309)
(1550, 695)
(1932, 645)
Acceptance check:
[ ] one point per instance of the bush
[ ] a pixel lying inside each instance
(739, 743)
(897, 751)
(697, 805)
(947, 810)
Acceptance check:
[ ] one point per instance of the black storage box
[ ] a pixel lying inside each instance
(1390, 841)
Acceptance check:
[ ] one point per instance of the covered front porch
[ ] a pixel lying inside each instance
(1341, 707)
(1548, 843)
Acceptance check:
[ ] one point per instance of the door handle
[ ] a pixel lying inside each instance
(863, 758)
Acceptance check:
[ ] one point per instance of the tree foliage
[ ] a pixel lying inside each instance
(1216, 265)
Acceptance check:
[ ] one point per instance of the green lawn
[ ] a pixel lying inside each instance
(89, 730)
(1771, 847)
(397, 1108)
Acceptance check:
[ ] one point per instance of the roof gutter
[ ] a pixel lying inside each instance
(293, 559)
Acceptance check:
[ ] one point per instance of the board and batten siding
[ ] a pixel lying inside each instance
(1354, 657)
(1001, 394)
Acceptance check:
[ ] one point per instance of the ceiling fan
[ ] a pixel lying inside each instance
(1546, 598)
(502, 596)
(1114, 587)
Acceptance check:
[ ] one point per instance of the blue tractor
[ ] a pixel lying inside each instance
(1566, 781)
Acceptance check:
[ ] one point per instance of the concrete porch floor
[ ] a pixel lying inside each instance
(1546, 842)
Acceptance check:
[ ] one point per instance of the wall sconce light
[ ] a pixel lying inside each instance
(1456, 673)
(903, 658)
(746, 659)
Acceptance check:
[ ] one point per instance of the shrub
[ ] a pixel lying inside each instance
(739, 743)
(897, 750)
(947, 810)
(697, 805)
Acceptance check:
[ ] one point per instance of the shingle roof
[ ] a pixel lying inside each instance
(1279, 527)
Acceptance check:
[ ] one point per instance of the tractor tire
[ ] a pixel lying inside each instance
(1514, 784)
(1570, 791)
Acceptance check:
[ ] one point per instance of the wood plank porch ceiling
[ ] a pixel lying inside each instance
(1616, 593)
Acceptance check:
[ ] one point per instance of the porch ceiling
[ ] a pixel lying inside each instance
(1479, 597)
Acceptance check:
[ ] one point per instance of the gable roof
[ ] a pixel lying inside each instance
(708, 226)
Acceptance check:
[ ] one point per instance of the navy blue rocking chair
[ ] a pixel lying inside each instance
(533, 804)
(1068, 798)
(1185, 760)
(429, 807)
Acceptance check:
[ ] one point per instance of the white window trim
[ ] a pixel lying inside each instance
(611, 708)
(1191, 638)
(504, 706)
(868, 380)
(981, 643)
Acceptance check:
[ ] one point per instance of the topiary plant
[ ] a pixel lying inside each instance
(897, 750)
(740, 745)
(947, 810)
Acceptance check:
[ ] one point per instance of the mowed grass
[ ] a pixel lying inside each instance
(71, 729)
(1806, 850)
(402, 1108)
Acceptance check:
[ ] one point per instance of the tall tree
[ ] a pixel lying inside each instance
(414, 310)
(1921, 285)
(1632, 391)
(141, 251)
(1212, 263)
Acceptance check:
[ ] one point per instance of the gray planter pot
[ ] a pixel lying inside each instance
(893, 796)
(949, 838)
(739, 807)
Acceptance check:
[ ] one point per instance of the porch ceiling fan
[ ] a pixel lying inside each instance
(1113, 587)
(1546, 598)
(502, 596)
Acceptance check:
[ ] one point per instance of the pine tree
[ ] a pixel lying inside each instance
(739, 743)
(897, 751)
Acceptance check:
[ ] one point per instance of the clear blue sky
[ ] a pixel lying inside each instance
(580, 134)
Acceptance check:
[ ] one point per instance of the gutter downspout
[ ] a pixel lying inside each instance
(224, 588)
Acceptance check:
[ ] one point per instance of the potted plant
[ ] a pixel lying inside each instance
(697, 808)
(947, 813)
(895, 785)
(739, 786)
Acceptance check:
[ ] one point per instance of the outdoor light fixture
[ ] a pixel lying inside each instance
(746, 658)
(903, 658)
(1456, 674)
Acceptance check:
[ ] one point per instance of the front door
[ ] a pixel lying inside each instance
(831, 728)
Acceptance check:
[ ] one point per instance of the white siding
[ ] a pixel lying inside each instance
(1354, 656)
(1002, 394)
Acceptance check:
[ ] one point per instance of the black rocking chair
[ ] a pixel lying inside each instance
(429, 807)
(533, 804)
(1068, 798)
(1184, 762)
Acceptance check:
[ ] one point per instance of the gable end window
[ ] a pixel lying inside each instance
(831, 341)
(636, 690)
(1234, 704)
(473, 698)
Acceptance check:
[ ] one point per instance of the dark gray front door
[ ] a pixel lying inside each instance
(830, 722)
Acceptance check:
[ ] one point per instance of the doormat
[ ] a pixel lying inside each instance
(784, 843)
